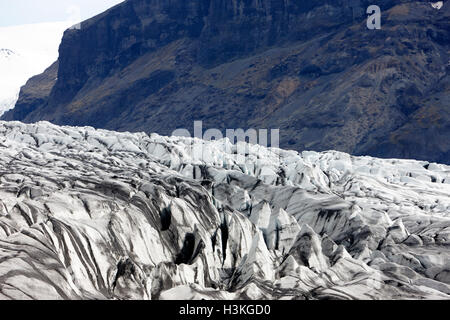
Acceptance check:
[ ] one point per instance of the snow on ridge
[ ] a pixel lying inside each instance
(283, 225)
(437, 5)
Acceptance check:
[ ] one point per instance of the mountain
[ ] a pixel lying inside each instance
(311, 68)
(95, 214)
(25, 51)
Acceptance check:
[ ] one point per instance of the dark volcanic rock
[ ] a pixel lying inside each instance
(310, 68)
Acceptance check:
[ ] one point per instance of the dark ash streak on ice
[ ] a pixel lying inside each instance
(92, 214)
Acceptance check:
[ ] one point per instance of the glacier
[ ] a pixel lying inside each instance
(95, 214)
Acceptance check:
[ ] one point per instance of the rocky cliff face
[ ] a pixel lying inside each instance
(310, 68)
(95, 214)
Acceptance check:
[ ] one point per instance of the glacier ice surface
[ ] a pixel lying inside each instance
(93, 214)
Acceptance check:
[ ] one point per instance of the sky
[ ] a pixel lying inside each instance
(20, 12)
(32, 30)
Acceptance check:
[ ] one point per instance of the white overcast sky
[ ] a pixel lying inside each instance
(19, 12)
